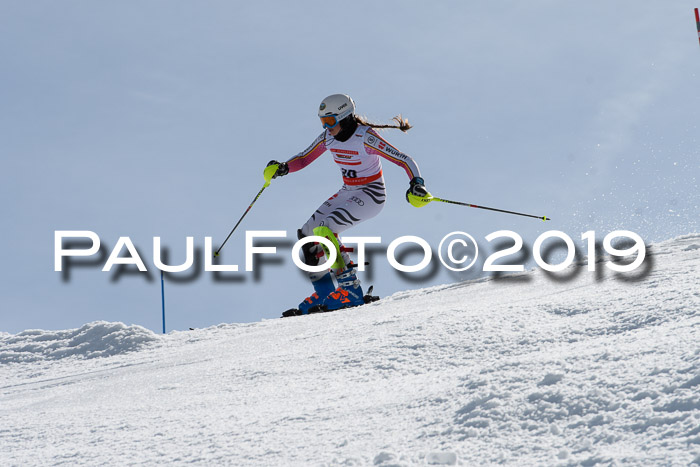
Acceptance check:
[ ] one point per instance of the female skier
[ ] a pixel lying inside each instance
(356, 148)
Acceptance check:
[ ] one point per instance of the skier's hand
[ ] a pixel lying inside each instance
(417, 194)
(417, 188)
(275, 169)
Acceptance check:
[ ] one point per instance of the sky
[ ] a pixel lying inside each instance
(155, 119)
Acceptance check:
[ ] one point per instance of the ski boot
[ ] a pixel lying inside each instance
(348, 293)
(322, 287)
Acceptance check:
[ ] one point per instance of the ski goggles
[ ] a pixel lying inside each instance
(329, 121)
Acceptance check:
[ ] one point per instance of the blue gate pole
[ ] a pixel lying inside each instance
(162, 296)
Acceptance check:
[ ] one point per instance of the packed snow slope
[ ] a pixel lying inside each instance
(583, 370)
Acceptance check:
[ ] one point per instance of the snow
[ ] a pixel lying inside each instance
(98, 339)
(600, 368)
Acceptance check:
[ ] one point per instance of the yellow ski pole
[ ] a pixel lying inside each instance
(420, 201)
(269, 172)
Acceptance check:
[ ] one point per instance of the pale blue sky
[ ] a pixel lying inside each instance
(146, 119)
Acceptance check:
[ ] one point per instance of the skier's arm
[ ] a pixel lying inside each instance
(416, 193)
(308, 155)
(375, 144)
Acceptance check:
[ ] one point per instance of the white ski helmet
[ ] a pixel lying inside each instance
(338, 106)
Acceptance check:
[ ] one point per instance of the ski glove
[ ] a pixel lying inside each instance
(275, 169)
(417, 188)
(417, 194)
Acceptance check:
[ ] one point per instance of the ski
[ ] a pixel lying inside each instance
(368, 298)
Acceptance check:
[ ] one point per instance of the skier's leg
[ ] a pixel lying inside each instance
(345, 209)
(349, 292)
(341, 211)
(322, 281)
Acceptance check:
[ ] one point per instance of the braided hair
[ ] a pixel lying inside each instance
(401, 123)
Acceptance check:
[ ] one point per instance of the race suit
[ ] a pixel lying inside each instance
(363, 192)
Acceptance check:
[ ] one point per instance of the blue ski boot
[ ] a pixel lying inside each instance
(348, 293)
(323, 286)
